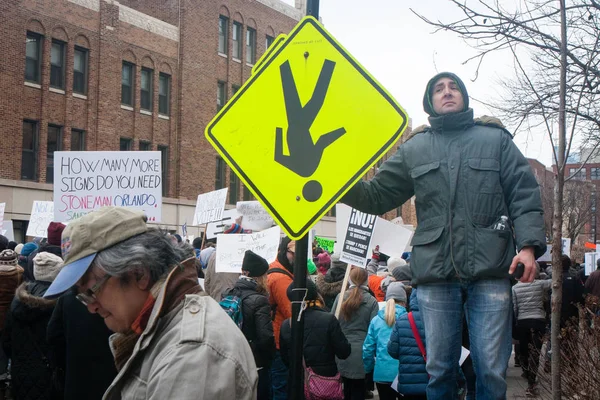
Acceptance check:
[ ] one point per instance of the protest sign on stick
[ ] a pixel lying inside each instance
(42, 213)
(256, 218)
(358, 238)
(232, 247)
(210, 206)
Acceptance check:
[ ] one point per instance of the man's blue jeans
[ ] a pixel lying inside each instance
(279, 377)
(488, 308)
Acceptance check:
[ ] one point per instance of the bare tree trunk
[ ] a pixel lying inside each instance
(558, 206)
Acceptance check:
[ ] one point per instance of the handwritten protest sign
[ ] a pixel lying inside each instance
(590, 262)
(326, 244)
(358, 238)
(42, 213)
(7, 230)
(256, 218)
(215, 228)
(209, 207)
(87, 180)
(231, 248)
(2, 207)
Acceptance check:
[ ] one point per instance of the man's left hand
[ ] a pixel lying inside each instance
(527, 258)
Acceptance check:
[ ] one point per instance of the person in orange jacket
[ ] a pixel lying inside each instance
(279, 277)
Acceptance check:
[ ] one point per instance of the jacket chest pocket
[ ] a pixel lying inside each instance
(428, 179)
(134, 389)
(483, 175)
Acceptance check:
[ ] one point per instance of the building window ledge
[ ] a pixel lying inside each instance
(33, 85)
(237, 61)
(162, 116)
(249, 65)
(222, 54)
(80, 96)
(128, 108)
(56, 90)
(145, 112)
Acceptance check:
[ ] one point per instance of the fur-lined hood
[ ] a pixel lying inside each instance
(29, 302)
(328, 289)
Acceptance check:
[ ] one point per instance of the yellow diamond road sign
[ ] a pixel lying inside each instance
(306, 126)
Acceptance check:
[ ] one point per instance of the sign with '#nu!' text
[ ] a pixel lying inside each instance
(84, 181)
(355, 249)
(305, 127)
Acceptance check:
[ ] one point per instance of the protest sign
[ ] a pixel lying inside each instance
(255, 217)
(87, 180)
(231, 248)
(566, 247)
(590, 262)
(215, 228)
(210, 206)
(547, 256)
(358, 238)
(2, 207)
(42, 213)
(326, 244)
(7, 230)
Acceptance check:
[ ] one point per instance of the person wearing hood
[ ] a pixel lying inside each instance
(375, 354)
(330, 284)
(23, 260)
(280, 276)
(215, 283)
(11, 276)
(257, 325)
(24, 336)
(465, 174)
(323, 340)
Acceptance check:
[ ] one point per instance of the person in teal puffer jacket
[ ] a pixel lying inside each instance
(375, 353)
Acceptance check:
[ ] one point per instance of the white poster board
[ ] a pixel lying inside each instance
(231, 248)
(590, 262)
(210, 206)
(255, 217)
(7, 230)
(215, 228)
(84, 181)
(42, 213)
(2, 207)
(393, 239)
(566, 246)
(547, 256)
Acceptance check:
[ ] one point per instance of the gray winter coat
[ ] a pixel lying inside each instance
(464, 176)
(528, 299)
(355, 331)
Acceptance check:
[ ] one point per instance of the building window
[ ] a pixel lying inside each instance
(237, 41)
(145, 145)
(220, 95)
(269, 41)
(33, 57)
(595, 174)
(234, 89)
(164, 160)
(125, 144)
(29, 154)
(234, 187)
(247, 195)
(54, 143)
(579, 176)
(77, 140)
(250, 45)
(223, 30)
(220, 174)
(164, 93)
(80, 62)
(127, 74)
(57, 65)
(146, 89)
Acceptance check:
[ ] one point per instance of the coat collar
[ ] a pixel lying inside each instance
(452, 122)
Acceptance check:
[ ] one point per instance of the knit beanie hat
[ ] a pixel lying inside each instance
(197, 243)
(312, 268)
(235, 228)
(428, 103)
(3, 242)
(254, 264)
(402, 273)
(18, 248)
(311, 288)
(393, 263)
(324, 258)
(12, 245)
(396, 291)
(46, 266)
(55, 230)
(28, 248)
(8, 257)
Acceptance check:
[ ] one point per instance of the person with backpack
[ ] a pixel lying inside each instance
(358, 308)
(280, 276)
(408, 345)
(375, 354)
(323, 342)
(248, 305)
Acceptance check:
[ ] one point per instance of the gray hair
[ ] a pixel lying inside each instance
(151, 252)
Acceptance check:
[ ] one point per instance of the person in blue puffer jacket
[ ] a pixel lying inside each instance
(375, 353)
(412, 375)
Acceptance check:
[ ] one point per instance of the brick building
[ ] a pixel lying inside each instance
(127, 75)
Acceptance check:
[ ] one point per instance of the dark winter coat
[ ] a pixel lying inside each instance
(330, 285)
(323, 341)
(78, 340)
(257, 324)
(24, 341)
(572, 294)
(464, 176)
(412, 375)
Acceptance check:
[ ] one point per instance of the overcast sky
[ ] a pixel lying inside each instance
(402, 52)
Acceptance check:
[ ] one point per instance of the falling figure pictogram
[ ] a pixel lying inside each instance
(304, 154)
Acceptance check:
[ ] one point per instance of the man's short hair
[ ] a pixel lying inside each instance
(598, 263)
